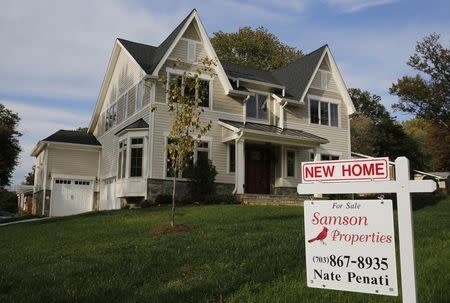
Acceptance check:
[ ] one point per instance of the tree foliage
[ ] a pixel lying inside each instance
(29, 178)
(376, 133)
(427, 94)
(82, 129)
(201, 179)
(9, 144)
(186, 130)
(254, 47)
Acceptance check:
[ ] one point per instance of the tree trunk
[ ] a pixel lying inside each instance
(172, 219)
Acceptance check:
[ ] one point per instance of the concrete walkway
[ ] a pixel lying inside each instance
(23, 221)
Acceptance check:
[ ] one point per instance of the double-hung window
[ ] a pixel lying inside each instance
(257, 107)
(122, 163)
(139, 95)
(327, 157)
(200, 152)
(231, 158)
(137, 148)
(190, 89)
(290, 163)
(111, 116)
(323, 113)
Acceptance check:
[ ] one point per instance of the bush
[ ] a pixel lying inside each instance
(201, 178)
(8, 201)
(145, 204)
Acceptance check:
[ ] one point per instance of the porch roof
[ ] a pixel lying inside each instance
(274, 131)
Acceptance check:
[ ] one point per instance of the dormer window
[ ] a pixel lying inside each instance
(257, 107)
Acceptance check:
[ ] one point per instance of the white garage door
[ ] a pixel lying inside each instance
(108, 198)
(71, 196)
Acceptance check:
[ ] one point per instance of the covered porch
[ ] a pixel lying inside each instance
(267, 158)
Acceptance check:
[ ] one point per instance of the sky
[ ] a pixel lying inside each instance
(54, 53)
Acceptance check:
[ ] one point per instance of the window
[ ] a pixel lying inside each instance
(201, 152)
(191, 51)
(327, 157)
(111, 116)
(324, 78)
(290, 163)
(139, 95)
(256, 107)
(323, 113)
(125, 105)
(136, 157)
(232, 158)
(122, 163)
(190, 90)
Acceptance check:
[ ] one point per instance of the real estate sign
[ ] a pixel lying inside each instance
(350, 245)
(346, 170)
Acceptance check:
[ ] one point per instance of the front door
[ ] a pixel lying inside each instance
(257, 170)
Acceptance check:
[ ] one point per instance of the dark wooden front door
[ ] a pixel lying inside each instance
(257, 170)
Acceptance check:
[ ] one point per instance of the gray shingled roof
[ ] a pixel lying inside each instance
(241, 71)
(72, 136)
(148, 56)
(135, 125)
(271, 129)
(296, 75)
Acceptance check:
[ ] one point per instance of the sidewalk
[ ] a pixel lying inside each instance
(23, 221)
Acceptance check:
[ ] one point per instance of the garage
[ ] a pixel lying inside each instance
(71, 196)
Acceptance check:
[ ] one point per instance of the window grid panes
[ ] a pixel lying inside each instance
(323, 113)
(190, 89)
(256, 107)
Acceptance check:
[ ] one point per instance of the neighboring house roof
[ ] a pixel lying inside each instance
(438, 175)
(72, 136)
(252, 126)
(139, 124)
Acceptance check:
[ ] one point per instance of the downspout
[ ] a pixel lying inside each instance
(240, 134)
(282, 114)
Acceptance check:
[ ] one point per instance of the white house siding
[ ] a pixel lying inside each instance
(297, 117)
(71, 161)
(191, 32)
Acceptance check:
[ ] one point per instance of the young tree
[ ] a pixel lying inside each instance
(185, 95)
(9, 144)
(254, 47)
(426, 95)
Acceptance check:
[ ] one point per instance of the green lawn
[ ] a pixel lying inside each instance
(234, 254)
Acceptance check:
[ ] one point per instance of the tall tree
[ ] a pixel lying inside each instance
(185, 95)
(29, 179)
(427, 94)
(254, 47)
(82, 129)
(376, 133)
(9, 144)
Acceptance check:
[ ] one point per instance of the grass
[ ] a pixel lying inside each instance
(234, 254)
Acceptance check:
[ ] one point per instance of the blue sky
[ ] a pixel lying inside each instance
(54, 53)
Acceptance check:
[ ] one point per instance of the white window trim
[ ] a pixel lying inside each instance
(328, 100)
(269, 112)
(126, 137)
(180, 72)
(139, 96)
(286, 162)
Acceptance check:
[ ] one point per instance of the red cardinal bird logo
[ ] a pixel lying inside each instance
(321, 236)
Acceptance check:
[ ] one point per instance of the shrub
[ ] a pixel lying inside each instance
(145, 204)
(8, 201)
(201, 178)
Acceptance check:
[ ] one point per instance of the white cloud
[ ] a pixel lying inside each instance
(350, 6)
(61, 48)
(37, 123)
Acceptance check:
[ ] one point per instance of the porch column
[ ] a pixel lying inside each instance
(240, 165)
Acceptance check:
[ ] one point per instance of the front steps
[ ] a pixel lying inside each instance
(255, 199)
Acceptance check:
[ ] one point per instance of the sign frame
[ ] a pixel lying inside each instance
(402, 187)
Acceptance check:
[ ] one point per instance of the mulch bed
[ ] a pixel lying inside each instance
(167, 228)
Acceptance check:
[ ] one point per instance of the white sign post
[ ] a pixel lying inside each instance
(350, 246)
(403, 187)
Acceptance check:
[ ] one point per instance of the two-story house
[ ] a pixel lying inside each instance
(264, 125)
